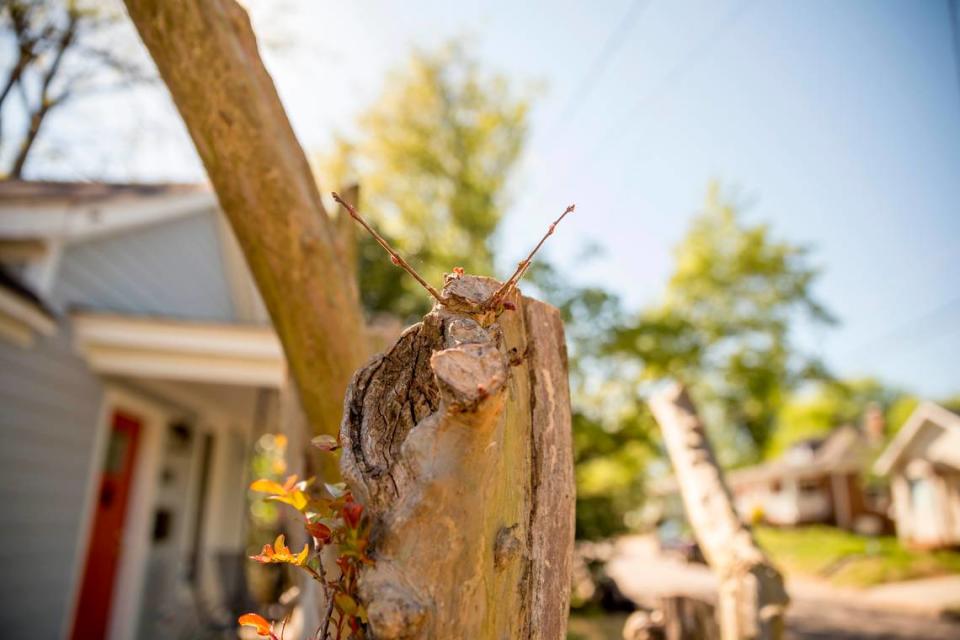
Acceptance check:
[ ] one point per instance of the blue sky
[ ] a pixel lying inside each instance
(839, 121)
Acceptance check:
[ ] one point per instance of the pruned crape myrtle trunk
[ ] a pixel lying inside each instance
(457, 439)
(752, 599)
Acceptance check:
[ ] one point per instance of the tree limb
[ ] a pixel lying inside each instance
(46, 102)
(207, 54)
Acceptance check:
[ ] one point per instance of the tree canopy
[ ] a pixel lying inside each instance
(726, 321)
(60, 50)
(434, 154)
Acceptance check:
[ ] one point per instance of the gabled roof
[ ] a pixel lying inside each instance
(74, 211)
(843, 450)
(927, 415)
(44, 193)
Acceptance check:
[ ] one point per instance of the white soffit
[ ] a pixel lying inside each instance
(180, 350)
(76, 222)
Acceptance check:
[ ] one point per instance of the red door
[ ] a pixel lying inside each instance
(103, 554)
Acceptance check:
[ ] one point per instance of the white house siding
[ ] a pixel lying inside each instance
(49, 409)
(170, 269)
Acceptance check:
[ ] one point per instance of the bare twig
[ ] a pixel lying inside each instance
(522, 267)
(321, 576)
(325, 627)
(46, 102)
(395, 257)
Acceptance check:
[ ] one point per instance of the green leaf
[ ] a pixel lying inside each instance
(345, 603)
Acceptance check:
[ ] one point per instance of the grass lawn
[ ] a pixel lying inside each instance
(849, 559)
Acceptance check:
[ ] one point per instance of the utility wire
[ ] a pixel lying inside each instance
(678, 70)
(609, 49)
(910, 331)
(955, 32)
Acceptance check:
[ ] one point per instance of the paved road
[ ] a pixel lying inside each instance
(817, 610)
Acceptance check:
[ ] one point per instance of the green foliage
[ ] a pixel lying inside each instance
(433, 158)
(612, 426)
(851, 559)
(724, 326)
(815, 412)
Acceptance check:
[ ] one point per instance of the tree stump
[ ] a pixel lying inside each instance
(752, 600)
(457, 440)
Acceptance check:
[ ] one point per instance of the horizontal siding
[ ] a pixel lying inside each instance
(49, 406)
(171, 269)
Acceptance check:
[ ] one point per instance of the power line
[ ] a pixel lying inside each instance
(609, 49)
(910, 330)
(955, 32)
(678, 70)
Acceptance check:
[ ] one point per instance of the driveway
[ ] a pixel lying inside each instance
(892, 612)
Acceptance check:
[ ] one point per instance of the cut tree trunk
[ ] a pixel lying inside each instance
(751, 599)
(207, 54)
(457, 439)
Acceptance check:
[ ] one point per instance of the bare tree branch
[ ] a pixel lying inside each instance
(47, 103)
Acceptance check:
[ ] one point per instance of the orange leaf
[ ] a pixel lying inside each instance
(290, 483)
(280, 552)
(296, 499)
(258, 622)
(301, 557)
(268, 486)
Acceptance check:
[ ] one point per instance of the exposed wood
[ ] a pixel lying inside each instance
(751, 599)
(207, 54)
(458, 441)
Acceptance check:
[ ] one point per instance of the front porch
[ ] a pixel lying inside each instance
(195, 396)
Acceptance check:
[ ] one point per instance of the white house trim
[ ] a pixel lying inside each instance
(129, 581)
(178, 350)
(75, 222)
(926, 413)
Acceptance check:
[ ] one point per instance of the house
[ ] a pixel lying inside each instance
(137, 366)
(923, 464)
(816, 481)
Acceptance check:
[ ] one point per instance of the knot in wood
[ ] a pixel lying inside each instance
(463, 330)
(506, 547)
(469, 374)
(394, 614)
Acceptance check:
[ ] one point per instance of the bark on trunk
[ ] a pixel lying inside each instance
(751, 599)
(207, 54)
(458, 441)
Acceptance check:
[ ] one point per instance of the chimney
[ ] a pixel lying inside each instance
(874, 424)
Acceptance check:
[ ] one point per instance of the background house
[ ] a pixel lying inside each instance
(137, 365)
(819, 480)
(923, 463)
(815, 481)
